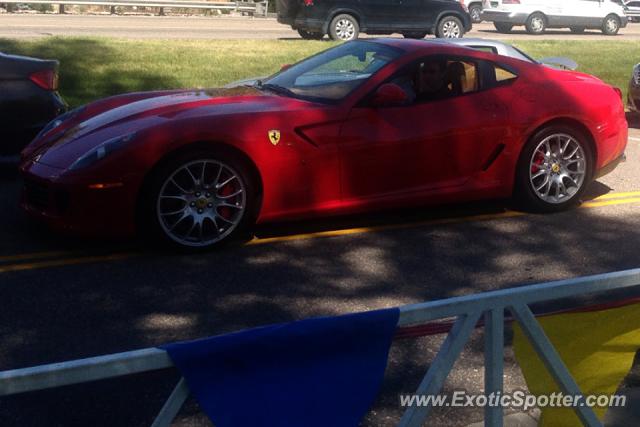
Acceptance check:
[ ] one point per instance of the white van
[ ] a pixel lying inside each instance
(538, 15)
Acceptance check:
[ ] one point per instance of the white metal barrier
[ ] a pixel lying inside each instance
(256, 8)
(468, 310)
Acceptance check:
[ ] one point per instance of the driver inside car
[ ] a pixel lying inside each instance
(432, 82)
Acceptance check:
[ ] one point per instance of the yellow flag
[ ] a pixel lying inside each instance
(598, 348)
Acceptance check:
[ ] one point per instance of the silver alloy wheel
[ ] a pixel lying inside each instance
(201, 203)
(451, 30)
(475, 14)
(345, 29)
(611, 25)
(557, 168)
(537, 24)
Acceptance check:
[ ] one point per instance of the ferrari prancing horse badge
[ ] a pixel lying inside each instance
(274, 136)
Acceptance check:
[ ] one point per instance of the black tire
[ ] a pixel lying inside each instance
(524, 191)
(577, 30)
(414, 35)
(310, 35)
(475, 10)
(450, 27)
(611, 25)
(344, 27)
(536, 23)
(155, 227)
(503, 27)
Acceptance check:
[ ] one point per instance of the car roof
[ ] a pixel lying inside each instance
(415, 45)
(463, 46)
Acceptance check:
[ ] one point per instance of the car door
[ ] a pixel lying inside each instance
(586, 13)
(555, 11)
(424, 147)
(414, 14)
(380, 14)
(425, 12)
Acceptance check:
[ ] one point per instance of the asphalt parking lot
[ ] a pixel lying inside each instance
(65, 298)
(223, 27)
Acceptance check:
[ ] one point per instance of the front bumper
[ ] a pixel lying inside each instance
(514, 18)
(79, 205)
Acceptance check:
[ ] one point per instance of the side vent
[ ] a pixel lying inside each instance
(492, 158)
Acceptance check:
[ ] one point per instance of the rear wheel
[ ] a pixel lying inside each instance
(503, 27)
(310, 35)
(611, 25)
(475, 10)
(200, 200)
(450, 27)
(414, 35)
(554, 169)
(344, 27)
(536, 23)
(577, 30)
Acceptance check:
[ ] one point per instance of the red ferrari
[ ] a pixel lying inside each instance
(367, 125)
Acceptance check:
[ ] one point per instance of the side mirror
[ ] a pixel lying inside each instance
(389, 95)
(285, 66)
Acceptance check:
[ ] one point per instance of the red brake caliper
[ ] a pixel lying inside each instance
(537, 162)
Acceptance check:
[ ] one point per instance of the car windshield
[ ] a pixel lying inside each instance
(525, 56)
(333, 74)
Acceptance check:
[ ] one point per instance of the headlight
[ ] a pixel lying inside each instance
(101, 151)
(636, 75)
(59, 120)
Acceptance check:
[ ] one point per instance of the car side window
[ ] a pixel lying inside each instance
(488, 49)
(503, 75)
(438, 78)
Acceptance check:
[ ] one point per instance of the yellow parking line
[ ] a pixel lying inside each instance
(34, 255)
(596, 204)
(362, 230)
(610, 199)
(619, 195)
(63, 261)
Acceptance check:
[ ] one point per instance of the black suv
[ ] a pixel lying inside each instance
(345, 19)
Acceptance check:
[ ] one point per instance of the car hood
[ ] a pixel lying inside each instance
(152, 110)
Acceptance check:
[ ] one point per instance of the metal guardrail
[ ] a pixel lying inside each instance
(467, 310)
(259, 7)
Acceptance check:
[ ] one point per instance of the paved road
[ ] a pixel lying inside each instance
(64, 298)
(194, 27)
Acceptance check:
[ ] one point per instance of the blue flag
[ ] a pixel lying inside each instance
(316, 372)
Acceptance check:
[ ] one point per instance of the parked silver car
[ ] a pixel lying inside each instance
(632, 9)
(633, 97)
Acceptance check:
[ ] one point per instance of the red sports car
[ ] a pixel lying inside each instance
(367, 125)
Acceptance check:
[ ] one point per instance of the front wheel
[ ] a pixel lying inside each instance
(611, 25)
(200, 200)
(450, 27)
(503, 27)
(344, 27)
(554, 169)
(536, 23)
(475, 10)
